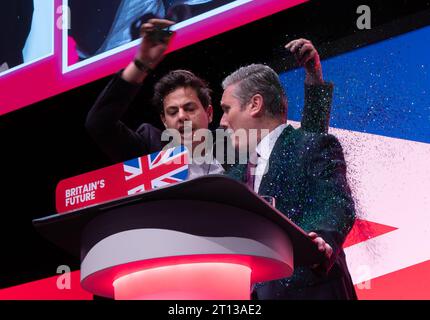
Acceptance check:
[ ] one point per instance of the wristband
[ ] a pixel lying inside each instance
(141, 65)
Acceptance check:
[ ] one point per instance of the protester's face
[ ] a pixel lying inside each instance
(182, 105)
(235, 116)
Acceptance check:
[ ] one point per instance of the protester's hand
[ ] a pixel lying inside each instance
(323, 247)
(151, 50)
(307, 56)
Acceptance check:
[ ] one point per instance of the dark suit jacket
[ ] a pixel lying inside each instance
(120, 143)
(114, 138)
(15, 24)
(313, 202)
(307, 177)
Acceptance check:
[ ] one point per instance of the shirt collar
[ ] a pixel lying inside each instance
(265, 146)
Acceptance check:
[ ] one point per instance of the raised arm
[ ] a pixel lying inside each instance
(151, 50)
(103, 121)
(318, 93)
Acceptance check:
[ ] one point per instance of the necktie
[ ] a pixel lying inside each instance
(251, 170)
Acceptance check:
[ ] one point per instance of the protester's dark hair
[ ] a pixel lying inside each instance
(180, 79)
(259, 79)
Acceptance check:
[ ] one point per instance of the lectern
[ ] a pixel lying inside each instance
(207, 238)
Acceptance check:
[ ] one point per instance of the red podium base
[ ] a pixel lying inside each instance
(195, 281)
(207, 238)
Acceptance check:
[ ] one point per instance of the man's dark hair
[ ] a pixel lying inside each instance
(180, 79)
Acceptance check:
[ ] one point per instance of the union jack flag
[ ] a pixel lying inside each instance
(156, 170)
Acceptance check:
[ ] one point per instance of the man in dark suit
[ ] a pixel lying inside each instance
(177, 103)
(304, 172)
(15, 25)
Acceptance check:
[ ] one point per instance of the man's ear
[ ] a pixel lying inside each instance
(257, 105)
(210, 113)
(163, 119)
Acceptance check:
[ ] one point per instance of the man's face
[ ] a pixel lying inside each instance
(183, 105)
(235, 117)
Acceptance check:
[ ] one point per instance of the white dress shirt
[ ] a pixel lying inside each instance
(202, 167)
(263, 151)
